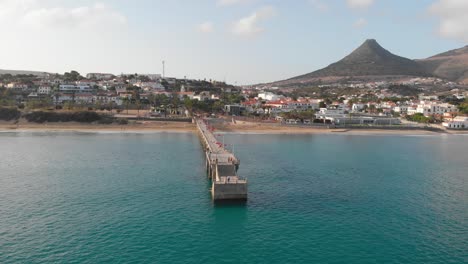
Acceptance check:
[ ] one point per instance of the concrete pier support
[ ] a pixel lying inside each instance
(221, 168)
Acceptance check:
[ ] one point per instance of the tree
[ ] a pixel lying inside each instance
(72, 76)
(418, 117)
(463, 107)
(188, 103)
(68, 105)
(56, 96)
(218, 106)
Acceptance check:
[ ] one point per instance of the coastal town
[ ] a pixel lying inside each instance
(234, 131)
(410, 102)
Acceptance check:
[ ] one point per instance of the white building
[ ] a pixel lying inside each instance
(76, 98)
(61, 98)
(302, 105)
(202, 96)
(44, 90)
(150, 86)
(365, 120)
(17, 86)
(288, 106)
(402, 109)
(107, 99)
(331, 114)
(153, 77)
(435, 109)
(411, 110)
(99, 76)
(71, 88)
(269, 96)
(331, 111)
(86, 83)
(84, 98)
(357, 107)
(460, 122)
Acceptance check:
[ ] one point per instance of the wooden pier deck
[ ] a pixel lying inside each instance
(221, 167)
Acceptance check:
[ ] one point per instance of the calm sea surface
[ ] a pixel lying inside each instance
(144, 198)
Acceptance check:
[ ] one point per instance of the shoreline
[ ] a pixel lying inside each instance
(261, 128)
(176, 127)
(141, 127)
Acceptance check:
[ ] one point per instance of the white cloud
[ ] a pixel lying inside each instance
(56, 38)
(206, 27)
(232, 2)
(249, 26)
(360, 23)
(319, 5)
(453, 15)
(360, 4)
(96, 16)
(35, 14)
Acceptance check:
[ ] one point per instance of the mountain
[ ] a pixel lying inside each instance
(451, 65)
(370, 59)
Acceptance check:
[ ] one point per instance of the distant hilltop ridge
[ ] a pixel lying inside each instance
(451, 65)
(371, 60)
(18, 72)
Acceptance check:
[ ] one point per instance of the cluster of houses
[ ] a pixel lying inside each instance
(408, 81)
(345, 112)
(105, 88)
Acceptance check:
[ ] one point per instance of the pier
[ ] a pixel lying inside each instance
(221, 167)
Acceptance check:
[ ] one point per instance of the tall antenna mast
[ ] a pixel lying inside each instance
(164, 68)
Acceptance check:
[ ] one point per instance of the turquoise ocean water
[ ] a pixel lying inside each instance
(144, 198)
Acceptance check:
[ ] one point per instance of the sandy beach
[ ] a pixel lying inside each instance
(244, 128)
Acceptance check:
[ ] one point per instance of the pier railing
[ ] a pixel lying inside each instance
(221, 167)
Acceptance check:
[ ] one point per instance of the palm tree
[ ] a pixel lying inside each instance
(126, 101)
(138, 103)
(56, 98)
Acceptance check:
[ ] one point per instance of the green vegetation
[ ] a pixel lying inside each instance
(122, 121)
(6, 97)
(463, 107)
(197, 86)
(208, 106)
(37, 104)
(72, 76)
(420, 118)
(405, 90)
(82, 117)
(8, 114)
(303, 115)
(24, 78)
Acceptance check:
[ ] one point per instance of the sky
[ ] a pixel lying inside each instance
(239, 41)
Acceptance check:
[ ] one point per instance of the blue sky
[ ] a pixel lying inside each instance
(243, 41)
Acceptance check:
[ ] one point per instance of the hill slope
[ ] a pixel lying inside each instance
(370, 59)
(451, 65)
(15, 72)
